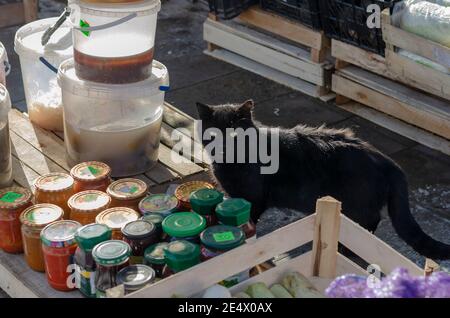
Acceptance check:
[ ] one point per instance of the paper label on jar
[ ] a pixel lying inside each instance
(11, 197)
(223, 237)
(93, 170)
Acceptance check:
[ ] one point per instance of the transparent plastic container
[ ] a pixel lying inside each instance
(4, 65)
(116, 124)
(39, 66)
(5, 142)
(113, 42)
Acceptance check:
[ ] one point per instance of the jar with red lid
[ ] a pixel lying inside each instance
(55, 188)
(127, 193)
(183, 192)
(164, 204)
(86, 205)
(12, 203)
(116, 219)
(139, 235)
(204, 202)
(92, 175)
(59, 246)
(236, 212)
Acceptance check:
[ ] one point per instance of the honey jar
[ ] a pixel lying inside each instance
(127, 193)
(86, 205)
(116, 219)
(55, 188)
(183, 192)
(92, 175)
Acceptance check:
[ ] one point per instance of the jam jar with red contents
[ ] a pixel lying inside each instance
(180, 255)
(110, 257)
(157, 220)
(55, 188)
(127, 193)
(184, 226)
(236, 212)
(204, 202)
(183, 192)
(92, 175)
(13, 201)
(163, 204)
(154, 257)
(139, 235)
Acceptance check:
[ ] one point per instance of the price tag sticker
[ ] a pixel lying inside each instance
(11, 197)
(93, 170)
(223, 237)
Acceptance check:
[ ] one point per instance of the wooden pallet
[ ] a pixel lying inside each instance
(18, 13)
(37, 151)
(298, 63)
(322, 264)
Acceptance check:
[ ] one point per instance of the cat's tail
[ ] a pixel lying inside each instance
(404, 223)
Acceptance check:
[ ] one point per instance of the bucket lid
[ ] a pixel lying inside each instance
(118, 8)
(28, 40)
(5, 102)
(70, 82)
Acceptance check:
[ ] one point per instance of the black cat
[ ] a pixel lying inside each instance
(316, 162)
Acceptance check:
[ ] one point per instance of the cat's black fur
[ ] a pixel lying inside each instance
(317, 162)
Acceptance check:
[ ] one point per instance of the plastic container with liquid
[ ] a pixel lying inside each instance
(39, 65)
(116, 124)
(4, 64)
(5, 142)
(119, 48)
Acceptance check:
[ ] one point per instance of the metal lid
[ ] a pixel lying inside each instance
(113, 252)
(234, 211)
(14, 197)
(164, 204)
(184, 224)
(54, 182)
(40, 215)
(183, 191)
(135, 277)
(88, 236)
(222, 237)
(118, 8)
(90, 171)
(154, 254)
(116, 218)
(154, 218)
(89, 201)
(60, 233)
(180, 255)
(204, 201)
(138, 229)
(127, 189)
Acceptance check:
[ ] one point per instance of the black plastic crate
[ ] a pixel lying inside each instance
(304, 11)
(229, 9)
(346, 20)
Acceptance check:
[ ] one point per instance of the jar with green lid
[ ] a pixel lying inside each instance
(219, 239)
(140, 234)
(110, 257)
(179, 256)
(154, 257)
(236, 212)
(164, 204)
(87, 237)
(135, 277)
(157, 220)
(204, 202)
(184, 226)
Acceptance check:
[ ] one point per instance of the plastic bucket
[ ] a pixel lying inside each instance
(4, 65)
(116, 124)
(39, 67)
(113, 43)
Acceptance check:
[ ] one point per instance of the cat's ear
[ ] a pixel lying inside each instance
(204, 111)
(246, 108)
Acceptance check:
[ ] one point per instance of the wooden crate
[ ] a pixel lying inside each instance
(18, 13)
(274, 47)
(321, 265)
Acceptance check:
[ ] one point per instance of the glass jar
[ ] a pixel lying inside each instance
(139, 235)
(33, 220)
(55, 188)
(110, 257)
(180, 255)
(87, 237)
(127, 193)
(154, 257)
(5, 142)
(164, 204)
(157, 220)
(85, 206)
(236, 212)
(58, 247)
(116, 219)
(183, 192)
(184, 226)
(135, 277)
(13, 201)
(204, 202)
(92, 175)
(219, 239)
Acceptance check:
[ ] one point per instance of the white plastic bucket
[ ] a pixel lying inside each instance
(39, 67)
(5, 143)
(116, 124)
(113, 43)
(4, 65)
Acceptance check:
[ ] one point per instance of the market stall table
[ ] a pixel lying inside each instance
(37, 152)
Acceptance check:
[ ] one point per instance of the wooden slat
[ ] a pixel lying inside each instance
(177, 119)
(11, 14)
(30, 8)
(144, 178)
(345, 266)
(372, 249)
(177, 163)
(23, 175)
(161, 174)
(200, 277)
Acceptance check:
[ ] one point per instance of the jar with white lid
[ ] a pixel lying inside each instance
(39, 65)
(113, 42)
(4, 65)
(116, 124)
(5, 142)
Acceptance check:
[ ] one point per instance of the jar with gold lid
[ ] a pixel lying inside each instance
(55, 188)
(116, 218)
(92, 175)
(85, 206)
(183, 192)
(127, 193)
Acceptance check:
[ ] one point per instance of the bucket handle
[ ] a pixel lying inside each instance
(106, 25)
(48, 64)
